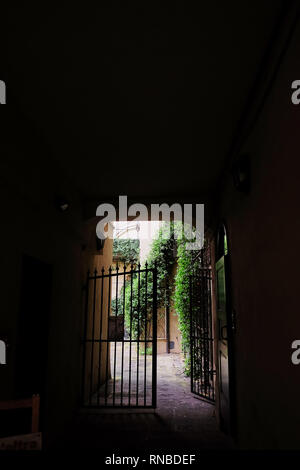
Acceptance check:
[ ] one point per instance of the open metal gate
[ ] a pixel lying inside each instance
(201, 328)
(120, 333)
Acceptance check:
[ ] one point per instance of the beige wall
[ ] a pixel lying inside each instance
(174, 332)
(97, 321)
(161, 331)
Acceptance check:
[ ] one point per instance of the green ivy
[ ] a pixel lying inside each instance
(165, 250)
(139, 290)
(185, 263)
(126, 250)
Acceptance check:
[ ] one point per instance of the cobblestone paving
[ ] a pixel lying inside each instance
(189, 419)
(180, 421)
(138, 390)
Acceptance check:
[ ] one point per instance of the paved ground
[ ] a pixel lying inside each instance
(181, 421)
(131, 377)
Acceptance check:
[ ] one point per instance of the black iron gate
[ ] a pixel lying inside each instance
(119, 344)
(201, 328)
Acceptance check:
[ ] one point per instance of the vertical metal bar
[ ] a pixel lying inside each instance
(138, 337)
(145, 334)
(100, 336)
(167, 313)
(130, 334)
(198, 355)
(207, 345)
(85, 337)
(201, 316)
(191, 336)
(211, 335)
(208, 336)
(203, 329)
(203, 342)
(206, 329)
(116, 324)
(107, 338)
(196, 307)
(154, 339)
(198, 318)
(122, 365)
(195, 331)
(93, 339)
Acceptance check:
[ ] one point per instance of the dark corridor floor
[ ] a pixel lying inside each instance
(180, 421)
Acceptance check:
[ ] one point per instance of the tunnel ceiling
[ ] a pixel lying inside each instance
(137, 101)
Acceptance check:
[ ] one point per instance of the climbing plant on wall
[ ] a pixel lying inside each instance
(138, 293)
(126, 250)
(186, 262)
(166, 250)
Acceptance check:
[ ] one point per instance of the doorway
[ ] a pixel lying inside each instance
(136, 385)
(225, 334)
(140, 318)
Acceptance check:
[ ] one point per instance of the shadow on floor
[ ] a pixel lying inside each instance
(180, 421)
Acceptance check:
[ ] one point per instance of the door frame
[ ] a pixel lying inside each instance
(230, 316)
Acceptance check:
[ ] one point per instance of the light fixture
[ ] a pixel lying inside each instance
(241, 173)
(99, 243)
(61, 203)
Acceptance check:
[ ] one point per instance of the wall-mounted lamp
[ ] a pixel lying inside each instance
(61, 203)
(3, 351)
(241, 173)
(99, 243)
